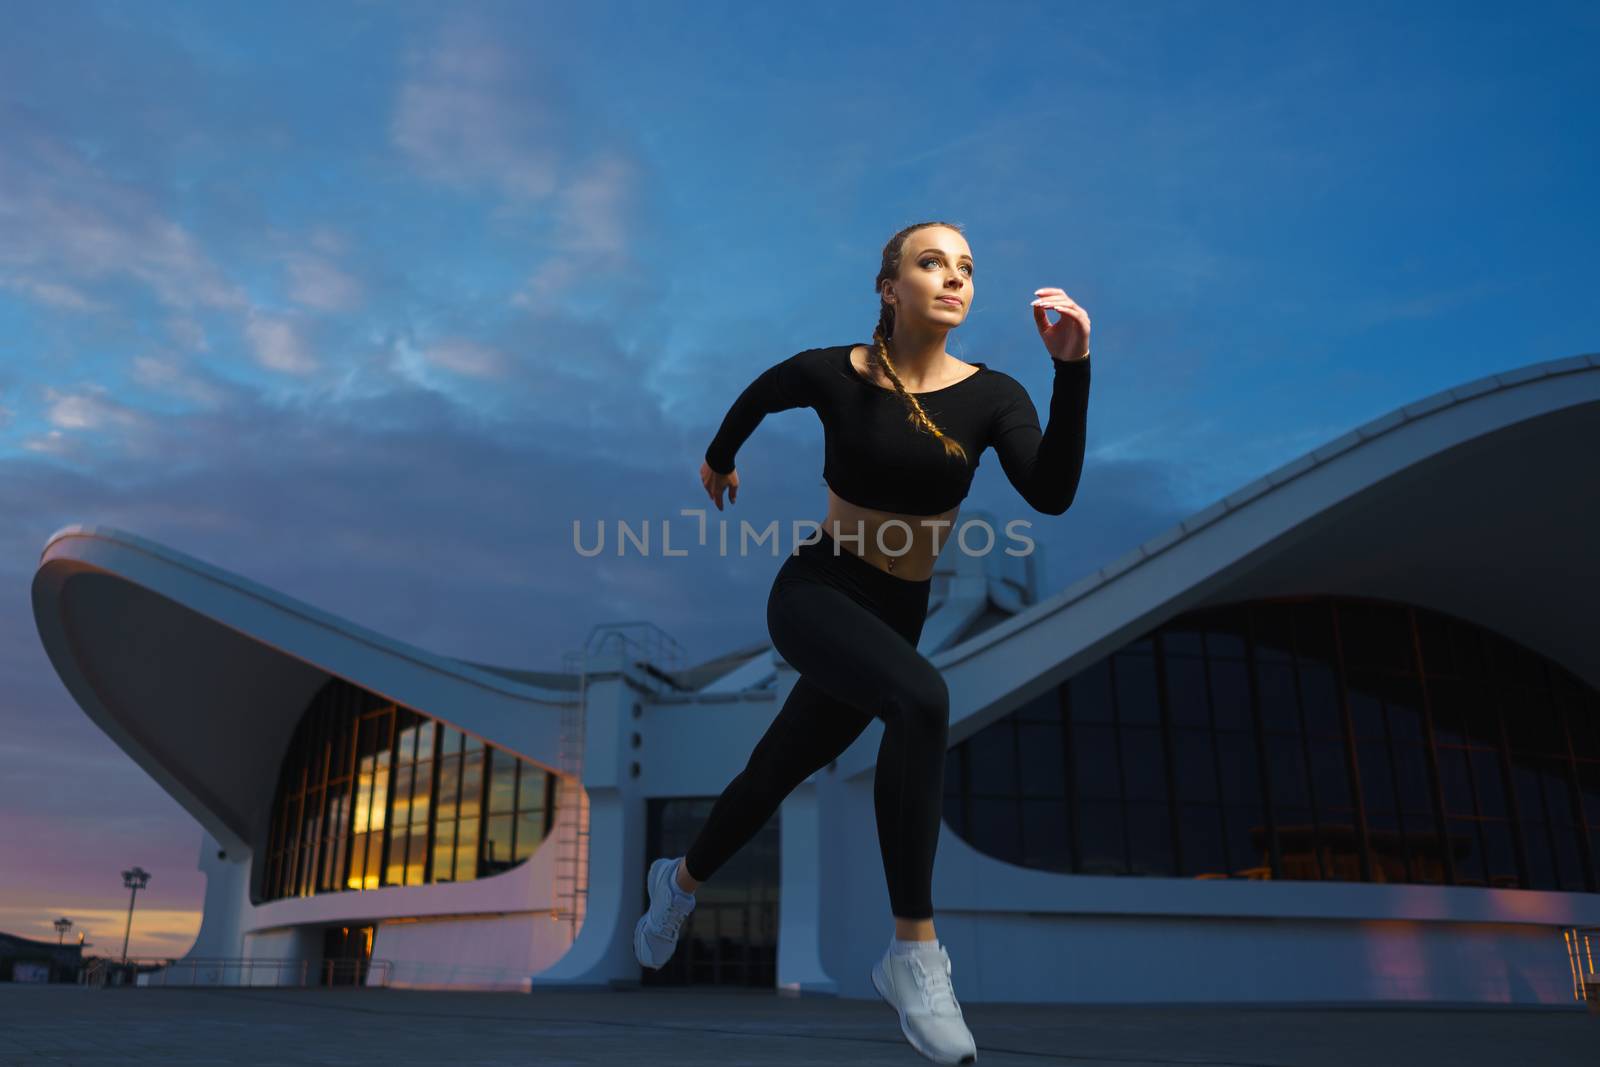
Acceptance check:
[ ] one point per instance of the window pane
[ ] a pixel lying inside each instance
(1449, 711)
(1044, 835)
(1455, 781)
(1194, 766)
(992, 759)
(1319, 695)
(1297, 843)
(1385, 847)
(1541, 855)
(1589, 783)
(449, 786)
(1330, 774)
(1143, 764)
(1558, 798)
(1498, 854)
(1570, 874)
(1230, 695)
(1095, 761)
(1186, 691)
(1226, 629)
(1043, 773)
(1491, 787)
(1275, 691)
(1090, 694)
(1377, 780)
(467, 850)
(396, 873)
(1366, 706)
(531, 787)
(1241, 772)
(1404, 706)
(1200, 832)
(472, 783)
(1150, 840)
(1467, 851)
(416, 856)
(1136, 689)
(1100, 848)
(1246, 829)
(502, 784)
(1179, 638)
(1413, 779)
(995, 827)
(1046, 707)
(530, 832)
(496, 845)
(444, 846)
(1288, 771)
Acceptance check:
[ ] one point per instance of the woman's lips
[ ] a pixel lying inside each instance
(949, 301)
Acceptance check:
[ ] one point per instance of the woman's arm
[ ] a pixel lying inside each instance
(1045, 466)
(778, 388)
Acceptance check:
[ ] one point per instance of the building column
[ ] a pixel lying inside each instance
(602, 954)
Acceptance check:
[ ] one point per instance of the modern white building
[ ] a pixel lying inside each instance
(1334, 738)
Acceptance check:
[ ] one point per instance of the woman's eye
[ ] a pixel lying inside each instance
(930, 259)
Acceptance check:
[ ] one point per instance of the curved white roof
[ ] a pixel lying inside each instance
(201, 675)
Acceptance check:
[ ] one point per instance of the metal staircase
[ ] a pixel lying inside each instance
(640, 644)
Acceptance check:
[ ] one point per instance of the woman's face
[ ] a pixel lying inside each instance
(935, 268)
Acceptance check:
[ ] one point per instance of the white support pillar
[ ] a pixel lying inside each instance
(602, 953)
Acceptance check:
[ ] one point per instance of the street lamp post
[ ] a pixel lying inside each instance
(135, 879)
(62, 926)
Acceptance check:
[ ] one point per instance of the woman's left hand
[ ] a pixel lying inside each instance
(1068, 337)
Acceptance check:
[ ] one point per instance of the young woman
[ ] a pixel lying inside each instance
(904, 424)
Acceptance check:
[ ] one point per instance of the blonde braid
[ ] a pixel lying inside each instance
(914, 413)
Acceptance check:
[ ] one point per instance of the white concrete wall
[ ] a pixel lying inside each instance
(488, 953)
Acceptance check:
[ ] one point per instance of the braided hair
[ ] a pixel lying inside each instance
(890, 270)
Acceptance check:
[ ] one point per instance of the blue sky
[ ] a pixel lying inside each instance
(368, 302)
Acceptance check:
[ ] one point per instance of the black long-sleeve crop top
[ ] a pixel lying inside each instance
(875, 457)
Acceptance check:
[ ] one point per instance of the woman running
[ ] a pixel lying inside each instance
(904, 424)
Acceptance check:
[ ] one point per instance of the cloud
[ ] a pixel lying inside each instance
(466, 357)
(52, 294)
(90, 408)
(316, 283)
(69, 226)
(471, 113)
(278, 345)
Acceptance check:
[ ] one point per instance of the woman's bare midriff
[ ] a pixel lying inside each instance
(910, 555)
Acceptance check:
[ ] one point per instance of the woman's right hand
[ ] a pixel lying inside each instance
(715, 483)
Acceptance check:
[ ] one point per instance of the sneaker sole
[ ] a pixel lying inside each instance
(638, 944)
(878, 983)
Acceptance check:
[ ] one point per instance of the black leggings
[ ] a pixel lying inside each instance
(851, 630)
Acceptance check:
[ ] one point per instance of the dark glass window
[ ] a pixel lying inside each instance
(1302, 738)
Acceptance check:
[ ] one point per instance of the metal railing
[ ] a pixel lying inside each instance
(237, 972)
(1583, 948)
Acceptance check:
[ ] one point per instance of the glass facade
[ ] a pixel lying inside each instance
(731, 937)
(1298, 738)
(373, 794)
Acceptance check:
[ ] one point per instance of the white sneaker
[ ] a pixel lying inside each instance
(918, 987)
(656, 934)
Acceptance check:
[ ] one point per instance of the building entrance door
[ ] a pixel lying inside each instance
(731, 938)
(346, 955)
